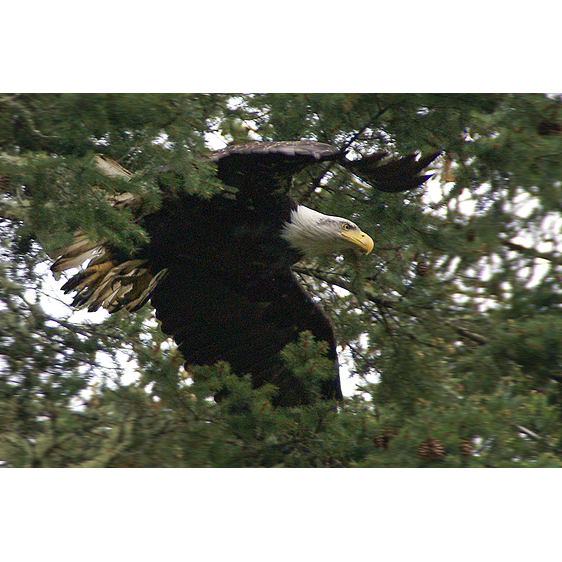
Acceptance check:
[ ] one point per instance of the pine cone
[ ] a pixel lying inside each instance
(383, 439)
(422, 269)
(467, 447)
(431, 449)
(548, 128)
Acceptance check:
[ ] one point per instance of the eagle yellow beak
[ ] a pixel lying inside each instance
(364, 241)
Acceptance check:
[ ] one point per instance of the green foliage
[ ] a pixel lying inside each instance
(452, 323)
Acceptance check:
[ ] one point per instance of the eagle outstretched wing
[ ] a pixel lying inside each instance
(251, 166)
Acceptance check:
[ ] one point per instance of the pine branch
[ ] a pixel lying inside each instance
(531, 252)
(330, 278)
(372, 118)
(13, 210)
(477, 338)
(377, 299)
(18, 107)
(118, 439)
(528, 432)
(316, 181)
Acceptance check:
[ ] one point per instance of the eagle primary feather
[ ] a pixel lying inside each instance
(218, 271)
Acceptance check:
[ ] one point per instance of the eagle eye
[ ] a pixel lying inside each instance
(346, 226)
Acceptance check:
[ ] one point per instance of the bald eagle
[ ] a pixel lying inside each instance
(218, 270)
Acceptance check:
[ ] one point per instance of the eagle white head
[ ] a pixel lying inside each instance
(313, 233)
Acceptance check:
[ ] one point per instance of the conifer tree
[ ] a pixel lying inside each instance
(451, 326)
